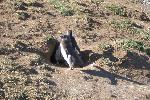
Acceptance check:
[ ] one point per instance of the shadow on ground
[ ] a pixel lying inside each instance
(111, 76)
(135, 60)
(129, 64)
(90, 57)
(108, 53)
(130, 60)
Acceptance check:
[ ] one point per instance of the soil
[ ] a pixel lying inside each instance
(109, 73)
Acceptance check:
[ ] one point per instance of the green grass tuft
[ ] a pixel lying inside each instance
(117, 10)
(128, 26)
(64, 9)
(121, 25)
(132, 44)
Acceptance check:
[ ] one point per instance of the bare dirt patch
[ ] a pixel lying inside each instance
(114, 38)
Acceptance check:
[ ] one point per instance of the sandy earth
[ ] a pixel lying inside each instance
(110, 74)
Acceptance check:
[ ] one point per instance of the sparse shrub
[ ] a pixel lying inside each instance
(134, 30)
(118, 10)
(121, 25)
(64, 9)
(131, 44)
(128, 26)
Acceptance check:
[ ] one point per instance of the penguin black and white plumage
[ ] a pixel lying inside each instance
(67, 51)
(71, 49)
(73, 41)
(76, 48)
